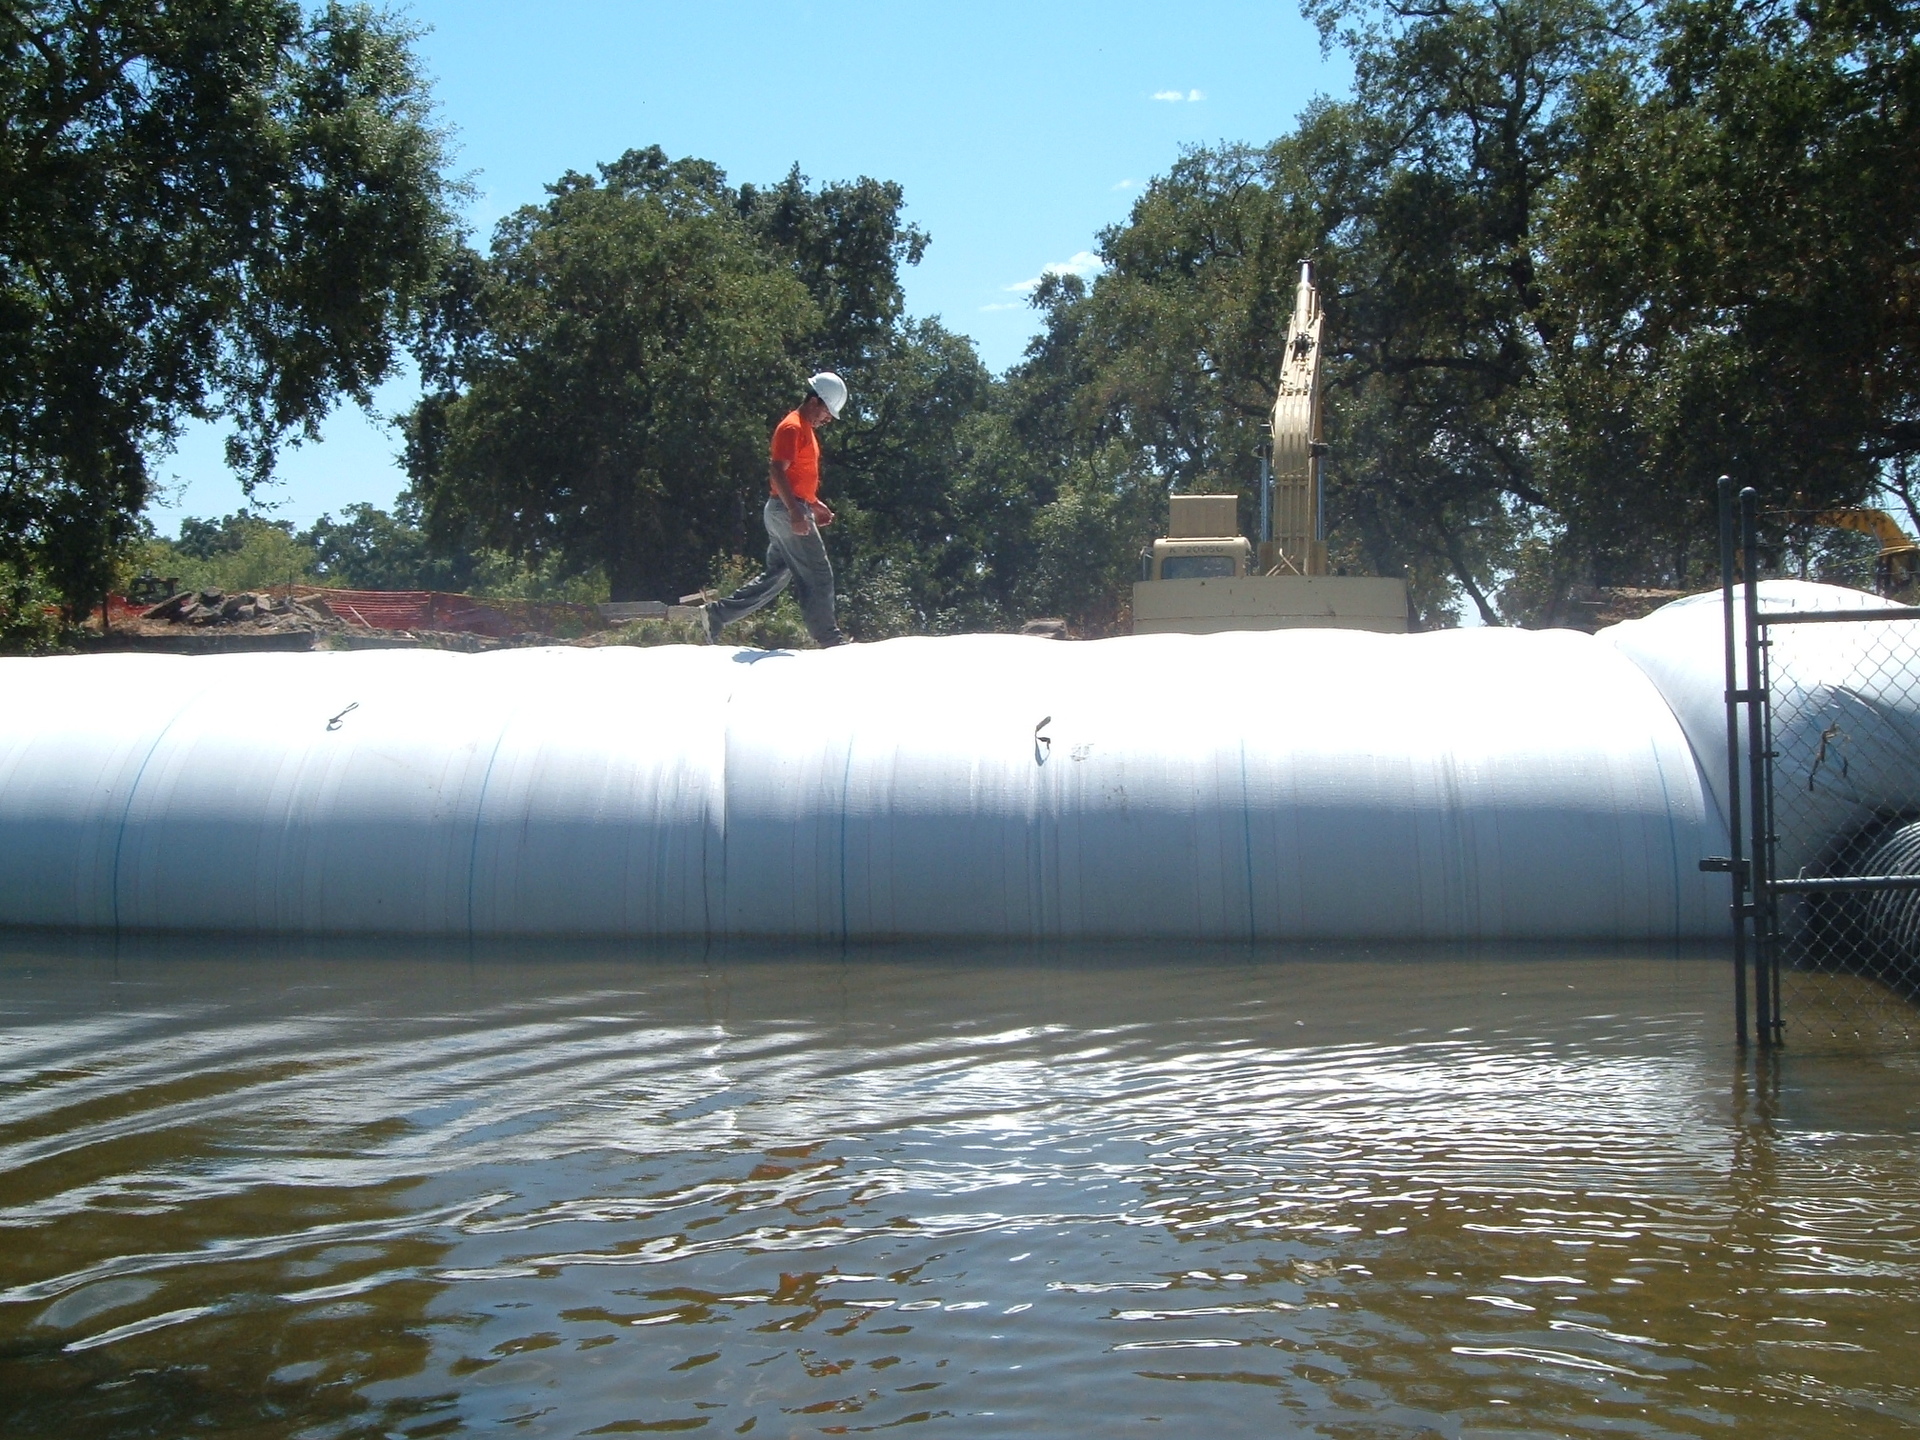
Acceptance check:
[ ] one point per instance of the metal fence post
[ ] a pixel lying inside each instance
(1758, 847)
(1735, 841)
(1767, 905)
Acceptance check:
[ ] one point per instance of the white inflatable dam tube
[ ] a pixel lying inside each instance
(1840, 690)
(1464, 785)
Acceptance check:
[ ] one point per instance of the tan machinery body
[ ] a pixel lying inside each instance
(1270, 602)
(1205, 577)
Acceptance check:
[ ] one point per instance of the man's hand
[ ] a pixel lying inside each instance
(821, 514)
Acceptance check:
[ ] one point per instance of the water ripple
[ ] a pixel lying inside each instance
(336, 1195)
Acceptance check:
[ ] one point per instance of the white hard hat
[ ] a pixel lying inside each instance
(831, 389)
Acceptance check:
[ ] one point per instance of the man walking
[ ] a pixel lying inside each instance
(794, 516)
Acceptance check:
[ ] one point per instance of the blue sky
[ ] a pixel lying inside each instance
(1017, 130)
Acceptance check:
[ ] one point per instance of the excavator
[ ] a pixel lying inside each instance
(1896, 569)
(1204, 576)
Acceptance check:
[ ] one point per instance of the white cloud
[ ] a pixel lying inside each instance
(1128, 185)
(1175, 97)
(1084, 263)
(1003, 305)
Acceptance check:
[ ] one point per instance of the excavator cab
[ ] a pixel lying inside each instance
(1203, 541)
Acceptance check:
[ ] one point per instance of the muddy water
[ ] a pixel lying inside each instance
(267, 1191)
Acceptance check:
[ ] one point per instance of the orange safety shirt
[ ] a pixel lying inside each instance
(795, 443)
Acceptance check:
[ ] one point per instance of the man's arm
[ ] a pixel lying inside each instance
(797, 514)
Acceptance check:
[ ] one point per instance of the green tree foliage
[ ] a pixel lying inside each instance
(964, 502)
(846, 243)
(1735, 262)
(906, 552)
(1421, 201)
(606, 374)
(369, 549)
(27, 610)
(242, 551)
(1159, 376)
(213, 208)
(1457, 134)
(1579, 258)
(365, 549)
(658, 322)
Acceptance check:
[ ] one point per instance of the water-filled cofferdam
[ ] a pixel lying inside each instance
(1460, 785)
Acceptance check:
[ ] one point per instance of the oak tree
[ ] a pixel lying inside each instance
(209, 209)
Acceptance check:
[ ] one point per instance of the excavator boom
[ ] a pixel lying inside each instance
(1298, 546)
(1203, 576)
(1877, 523)
(1896, 569)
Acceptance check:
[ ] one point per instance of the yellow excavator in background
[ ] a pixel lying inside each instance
(1896, 569)
(1204, 576)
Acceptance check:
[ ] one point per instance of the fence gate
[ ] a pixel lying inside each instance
(1824, 809)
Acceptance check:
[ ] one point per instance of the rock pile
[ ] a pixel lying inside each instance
(1047, 628)
(260, 611)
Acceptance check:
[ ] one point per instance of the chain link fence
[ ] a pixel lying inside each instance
(1841, 886)
(1823, 786)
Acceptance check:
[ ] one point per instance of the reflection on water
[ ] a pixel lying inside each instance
(271, 1191)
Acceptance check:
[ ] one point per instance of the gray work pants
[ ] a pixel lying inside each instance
(796, 560)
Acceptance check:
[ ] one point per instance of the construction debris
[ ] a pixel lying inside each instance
(259, 609)
(1047, 628)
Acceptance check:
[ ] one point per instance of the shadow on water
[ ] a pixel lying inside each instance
(288, 1188)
